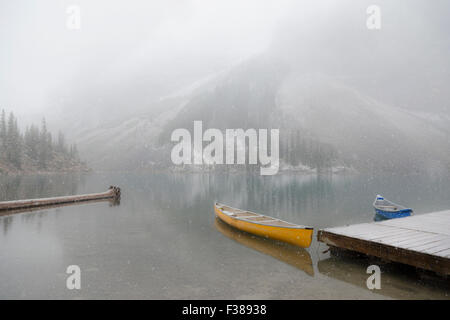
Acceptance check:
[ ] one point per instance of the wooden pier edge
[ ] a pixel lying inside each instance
(7, 206)
(440, 265)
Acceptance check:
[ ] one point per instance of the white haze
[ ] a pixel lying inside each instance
(44, 65)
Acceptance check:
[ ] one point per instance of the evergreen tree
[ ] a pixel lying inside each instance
(13, 145)
(50, 145)
(18, 146)
(74, 152)
(35, 146)
(3, 135)
(32, 137)
(9, 139)
(44, 152)
(61, 144)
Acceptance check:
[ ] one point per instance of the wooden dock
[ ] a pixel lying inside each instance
(422, 240)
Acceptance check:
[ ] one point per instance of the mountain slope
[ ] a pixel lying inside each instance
(262, 93)
(340, 94)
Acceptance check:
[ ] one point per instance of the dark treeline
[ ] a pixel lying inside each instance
(297, 148)
(35, 147)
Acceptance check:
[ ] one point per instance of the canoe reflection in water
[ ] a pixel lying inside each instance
(293, 255)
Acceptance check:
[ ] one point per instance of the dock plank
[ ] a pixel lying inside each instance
(419, 238)
(436, 249)
(394, 236)
(422, 240)
(444, 253)
(429, 245)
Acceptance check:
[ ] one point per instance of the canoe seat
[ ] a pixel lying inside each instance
(269, 220)
(259, 218)
(244, 217)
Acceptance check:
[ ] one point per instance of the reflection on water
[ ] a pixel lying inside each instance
(397, 281)
(293, 255)
(17, 187)
(163, 242)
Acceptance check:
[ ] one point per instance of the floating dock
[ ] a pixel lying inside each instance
(8, 207)
(422, 241)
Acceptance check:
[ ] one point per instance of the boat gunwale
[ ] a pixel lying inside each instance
(294, 226)
(400, 207)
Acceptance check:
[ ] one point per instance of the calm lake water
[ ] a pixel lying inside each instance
(163, 241)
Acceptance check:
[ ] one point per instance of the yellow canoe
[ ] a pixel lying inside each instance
(264, 226)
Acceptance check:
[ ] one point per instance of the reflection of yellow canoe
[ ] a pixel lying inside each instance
(293, 255)
(265, 226)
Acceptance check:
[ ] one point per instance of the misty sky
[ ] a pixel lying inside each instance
(41, 58)
(133, 52)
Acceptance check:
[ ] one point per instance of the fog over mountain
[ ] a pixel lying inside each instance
(353, 97)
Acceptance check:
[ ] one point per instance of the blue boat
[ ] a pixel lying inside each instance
(385, 209)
